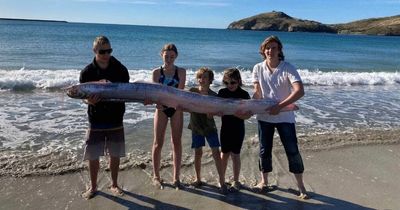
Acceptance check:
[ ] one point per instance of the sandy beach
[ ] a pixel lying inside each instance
(348, 124)
(348, 177)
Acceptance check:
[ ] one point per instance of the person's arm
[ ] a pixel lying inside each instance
(154, 78)
(83, 78)
(126, 75)
(257, 91)
(296, 94)
(181, 85)
(182, 78)
(156, 75)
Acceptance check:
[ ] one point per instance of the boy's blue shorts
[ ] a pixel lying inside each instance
(200, 141)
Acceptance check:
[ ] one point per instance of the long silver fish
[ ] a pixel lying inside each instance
(172, 97)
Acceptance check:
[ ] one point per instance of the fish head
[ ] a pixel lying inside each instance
(75, 92)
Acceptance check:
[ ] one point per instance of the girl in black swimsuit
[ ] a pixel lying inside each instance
(174, 82)
(168, 74)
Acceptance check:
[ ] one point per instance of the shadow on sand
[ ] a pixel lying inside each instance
(278, 198)
(143, 202)
(246, 198)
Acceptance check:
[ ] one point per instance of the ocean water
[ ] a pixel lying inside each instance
(352, 83)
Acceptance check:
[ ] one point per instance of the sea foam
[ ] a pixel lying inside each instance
(57, 79)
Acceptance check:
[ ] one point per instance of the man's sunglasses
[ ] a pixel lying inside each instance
(108, 51)
(231, 83)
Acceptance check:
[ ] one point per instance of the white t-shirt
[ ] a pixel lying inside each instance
(276, 86)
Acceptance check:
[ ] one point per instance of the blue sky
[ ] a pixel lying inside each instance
(194, 13)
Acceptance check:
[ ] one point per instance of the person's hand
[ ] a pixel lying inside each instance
(93, 99)
(274, 110)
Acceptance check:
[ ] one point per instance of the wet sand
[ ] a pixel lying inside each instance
(349, 177)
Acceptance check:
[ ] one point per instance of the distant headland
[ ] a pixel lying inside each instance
(35, 20)
(279, 21)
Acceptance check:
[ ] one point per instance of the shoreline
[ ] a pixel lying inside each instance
(351, 177)
(25, 163)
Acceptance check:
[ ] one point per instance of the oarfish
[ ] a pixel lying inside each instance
(172, 97)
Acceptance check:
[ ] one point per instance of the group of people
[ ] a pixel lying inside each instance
(272, 78)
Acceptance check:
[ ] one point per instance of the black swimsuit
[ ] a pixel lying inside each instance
(174, 82)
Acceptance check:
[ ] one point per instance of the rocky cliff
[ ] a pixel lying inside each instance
(388, 26)
(279, 21)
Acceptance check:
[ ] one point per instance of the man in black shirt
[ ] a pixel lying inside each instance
(105, 134)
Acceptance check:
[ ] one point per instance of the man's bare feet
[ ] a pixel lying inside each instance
(303, 196)
(303, 192)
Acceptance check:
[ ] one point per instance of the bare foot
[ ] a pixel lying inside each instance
(303, 193)
(223, 189)
(236, 186)
(116, 191)
(303, 196)
(197, 184)
(157, 182)
(260, 187)
(89, 194)
(177, 184)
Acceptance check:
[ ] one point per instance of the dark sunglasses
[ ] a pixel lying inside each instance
(231, 83)
(108, 51)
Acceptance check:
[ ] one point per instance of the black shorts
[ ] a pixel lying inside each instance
(231, 140)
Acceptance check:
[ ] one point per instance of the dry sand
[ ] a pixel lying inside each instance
(352, 177)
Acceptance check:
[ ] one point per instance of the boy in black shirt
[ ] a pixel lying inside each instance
(106, 132)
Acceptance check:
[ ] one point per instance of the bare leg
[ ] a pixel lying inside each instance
(264, 178)
(160, 125)
(94, 166)
(218, 163)
(300, 185)
(176, 138)
(236, 164)
(224, 163)
(114, 168)
(263, 183)
(198, 153)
